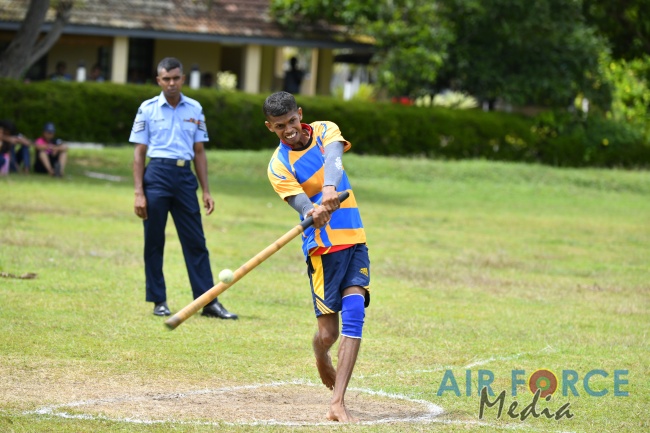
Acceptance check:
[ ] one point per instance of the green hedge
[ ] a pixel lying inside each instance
(104, 113)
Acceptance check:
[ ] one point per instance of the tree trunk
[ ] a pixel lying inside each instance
(25, 48)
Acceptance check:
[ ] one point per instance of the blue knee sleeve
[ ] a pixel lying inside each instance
(352, 315)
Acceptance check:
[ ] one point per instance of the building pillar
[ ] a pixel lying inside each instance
(309, 85)
(267, 79)
(325, 70)
(120, 60)
(252, 68)
(279, 63)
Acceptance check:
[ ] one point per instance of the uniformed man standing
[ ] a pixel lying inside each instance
(170, 129)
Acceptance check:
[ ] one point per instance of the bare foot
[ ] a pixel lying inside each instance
(324, 365)
(340, 413)
(326, 371)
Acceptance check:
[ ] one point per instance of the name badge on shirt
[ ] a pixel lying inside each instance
(197, 122)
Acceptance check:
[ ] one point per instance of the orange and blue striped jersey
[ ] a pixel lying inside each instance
(292, 172)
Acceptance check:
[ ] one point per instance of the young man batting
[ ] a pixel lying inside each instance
(307, 172)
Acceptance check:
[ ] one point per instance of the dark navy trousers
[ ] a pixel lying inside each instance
(172, 189)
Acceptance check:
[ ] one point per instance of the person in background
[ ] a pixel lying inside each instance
(51, 153)
(4, 153)
(17, 147)
(293, 77)
(96, 74)
(167, 185)
(207, 79)
(60, 73)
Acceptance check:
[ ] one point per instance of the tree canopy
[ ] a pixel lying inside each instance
(410, 40)
(26, 47)
(626, 25)
(542, 52)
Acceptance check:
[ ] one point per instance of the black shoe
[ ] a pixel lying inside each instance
(161, 309)
(217, 310)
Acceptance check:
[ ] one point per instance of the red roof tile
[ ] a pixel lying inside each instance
(182, 18)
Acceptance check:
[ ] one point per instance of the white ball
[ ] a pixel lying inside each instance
(226, 276)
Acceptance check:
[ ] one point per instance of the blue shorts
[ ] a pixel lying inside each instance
(332, 273)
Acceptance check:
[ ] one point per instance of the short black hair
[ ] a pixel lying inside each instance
(8, 126)
(169, 63)
(279, 103)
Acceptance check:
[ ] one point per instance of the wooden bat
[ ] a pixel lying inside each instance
(207, 297)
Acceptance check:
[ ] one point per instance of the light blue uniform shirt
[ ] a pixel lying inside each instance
(169, 132)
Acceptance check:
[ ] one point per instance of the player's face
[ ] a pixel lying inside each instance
(287, 127)
(171, 82)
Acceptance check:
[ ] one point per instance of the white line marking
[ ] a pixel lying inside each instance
(432, 410)
(452, 367)
(431, 416)
(491, 359)
(103, 176)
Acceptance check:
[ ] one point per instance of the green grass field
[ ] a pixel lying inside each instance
(478, 268)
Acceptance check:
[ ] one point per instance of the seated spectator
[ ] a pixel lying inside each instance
(4, 154)
(51, 153)
(19, 160)
(207, 79)
(96, 74)
(60, 74)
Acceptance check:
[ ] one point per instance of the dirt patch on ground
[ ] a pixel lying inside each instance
(118, 398)
(277, 403)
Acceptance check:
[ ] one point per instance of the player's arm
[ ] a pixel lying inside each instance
(288, 188)
(140, 204)
(301, 204)
(304, 206)
(333, 174)
(201, 167)
(330, 199)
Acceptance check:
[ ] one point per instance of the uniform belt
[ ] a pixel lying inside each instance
(169, 161)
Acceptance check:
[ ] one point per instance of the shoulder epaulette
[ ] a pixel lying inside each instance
(192, 101)
(150, 101)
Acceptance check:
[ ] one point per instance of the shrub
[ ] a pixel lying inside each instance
(449, 99)
(104, 112)
(630, 90)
